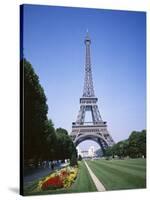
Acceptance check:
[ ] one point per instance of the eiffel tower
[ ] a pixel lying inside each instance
(97, 129)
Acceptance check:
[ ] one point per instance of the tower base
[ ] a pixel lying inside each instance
(97, 132)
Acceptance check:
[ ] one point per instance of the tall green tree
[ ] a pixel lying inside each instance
(137, 144)
(121, 148)
(61, 131)
(142, 143)
(50, 141)
(108, 152)
(134, 146)
(65, 148)
(41, 140)
(35, 113)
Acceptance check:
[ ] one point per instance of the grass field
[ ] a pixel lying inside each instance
(83, 183)
(120, 174)
(114, 175)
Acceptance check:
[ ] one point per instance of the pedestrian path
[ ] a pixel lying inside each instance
(99, 186)
(31, 175)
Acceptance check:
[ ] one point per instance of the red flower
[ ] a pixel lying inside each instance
(53, 182)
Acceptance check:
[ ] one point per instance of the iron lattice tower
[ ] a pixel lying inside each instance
(97, 129)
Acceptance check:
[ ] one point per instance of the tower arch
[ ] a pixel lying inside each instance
(94, 137)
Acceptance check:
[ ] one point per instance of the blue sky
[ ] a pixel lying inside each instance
(54, 44)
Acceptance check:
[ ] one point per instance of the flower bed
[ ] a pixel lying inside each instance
(52, 183)
(59, 179)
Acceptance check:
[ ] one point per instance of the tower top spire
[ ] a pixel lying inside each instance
(88, 90)
(87, 37)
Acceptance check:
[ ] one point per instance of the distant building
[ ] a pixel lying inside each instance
(84, 154)
(91, 151)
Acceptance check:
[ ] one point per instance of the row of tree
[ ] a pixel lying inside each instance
(133, 147)
(41, 140)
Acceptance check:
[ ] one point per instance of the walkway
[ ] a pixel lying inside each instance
(36, 174)
(99, 186)
(31, 175)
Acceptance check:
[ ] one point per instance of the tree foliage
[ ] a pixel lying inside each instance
(64, 145)
(79, 157)
(41, 140)
(137, 144)
(61, 131)
(73, 159)
(35, 113)
(134, 146)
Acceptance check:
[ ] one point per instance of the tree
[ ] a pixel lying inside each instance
(61, 131)
(37, 128)
(64, 145)
(79, 157)
(108, 152)
(125, 148)
(73, 160)
(41, 141)
(49, 150)
(121, 149)
(134, 146)
(137, 144)
(142, 143)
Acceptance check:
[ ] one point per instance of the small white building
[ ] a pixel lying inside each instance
(91, 151)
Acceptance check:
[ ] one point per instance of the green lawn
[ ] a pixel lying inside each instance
(83, 183)
(120, 174)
